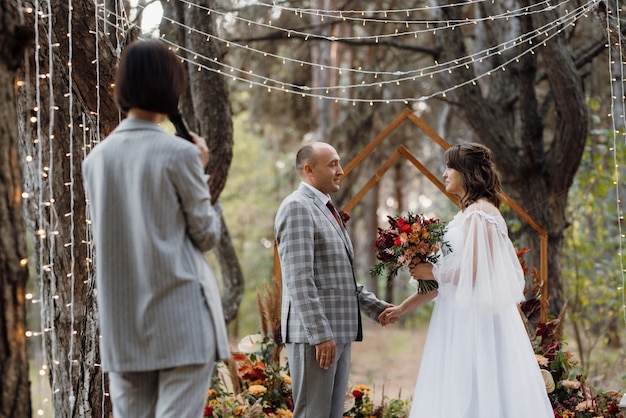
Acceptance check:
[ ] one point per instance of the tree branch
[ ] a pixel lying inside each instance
(281, 35)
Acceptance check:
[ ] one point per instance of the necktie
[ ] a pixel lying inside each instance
(333, 211)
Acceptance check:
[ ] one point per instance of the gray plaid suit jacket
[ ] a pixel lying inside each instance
(321, 298)
(158, 300)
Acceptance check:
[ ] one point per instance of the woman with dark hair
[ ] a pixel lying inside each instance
(161, 321)
(478, 361)
(150, 77)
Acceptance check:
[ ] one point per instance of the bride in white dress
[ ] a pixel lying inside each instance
(478, 361)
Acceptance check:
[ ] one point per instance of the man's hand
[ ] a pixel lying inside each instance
(390, 315)
(325, 353)
(201, 144)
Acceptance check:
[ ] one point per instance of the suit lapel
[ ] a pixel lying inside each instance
(324, 209)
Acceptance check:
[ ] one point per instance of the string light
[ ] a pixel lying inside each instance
(407, 76)
(615, 134)
(91, 125)
(567, 18)
(41, 233)
(340, 15)
(47, 220)
(94, 138)
(26, 194)
(52, 221)
(71, 244)
(306, 91)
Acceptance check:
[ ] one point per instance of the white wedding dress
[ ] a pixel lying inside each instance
(478, 361)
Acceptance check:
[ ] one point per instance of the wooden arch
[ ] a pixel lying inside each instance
(402, 151)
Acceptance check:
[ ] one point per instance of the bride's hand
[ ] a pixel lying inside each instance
(390, 315)
(422, 271)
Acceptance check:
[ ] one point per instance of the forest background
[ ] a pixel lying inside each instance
(541, 84)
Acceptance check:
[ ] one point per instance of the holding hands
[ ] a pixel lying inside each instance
(390, 315)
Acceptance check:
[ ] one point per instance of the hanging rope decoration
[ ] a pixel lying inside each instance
(618, 131)
(527, 43)
(44, 181)
(73, 360)
(90, 123)
(43, 370)
(437, 25)
(386, 13)
(524, 43)
(410, 75)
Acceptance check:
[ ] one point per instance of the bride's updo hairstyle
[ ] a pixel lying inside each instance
(479, 177)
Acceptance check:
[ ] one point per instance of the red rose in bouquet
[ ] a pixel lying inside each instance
(409, 239)
(384, 240)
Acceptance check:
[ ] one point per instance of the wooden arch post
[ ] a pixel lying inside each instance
(402, 151)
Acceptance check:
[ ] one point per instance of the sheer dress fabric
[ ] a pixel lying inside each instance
(478, 361)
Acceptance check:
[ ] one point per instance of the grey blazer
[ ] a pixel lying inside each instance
(321, 298)
(158, 300)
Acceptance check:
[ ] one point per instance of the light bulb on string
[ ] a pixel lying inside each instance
(301, 63)
(362, 83)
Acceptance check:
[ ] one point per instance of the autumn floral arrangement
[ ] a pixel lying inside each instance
(569, 393)
(255, 386)
(408, 240)
(255, 382)
(358, 402)
(360, 405)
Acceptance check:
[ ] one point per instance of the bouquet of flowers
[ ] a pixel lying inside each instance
(409, 240)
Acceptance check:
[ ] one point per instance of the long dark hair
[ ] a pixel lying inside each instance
(478, 173)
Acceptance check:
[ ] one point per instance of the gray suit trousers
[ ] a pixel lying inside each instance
(313, 387)
(179, 392)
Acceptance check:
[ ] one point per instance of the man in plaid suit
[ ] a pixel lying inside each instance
(321, 299)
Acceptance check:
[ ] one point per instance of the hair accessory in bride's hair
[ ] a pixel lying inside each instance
(484, 155)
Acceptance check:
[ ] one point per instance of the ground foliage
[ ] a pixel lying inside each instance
(594, 283)
(255, 382)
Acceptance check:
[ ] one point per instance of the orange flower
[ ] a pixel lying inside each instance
(585, 406)
(257, 390)
(409, 239)
(542, 360)
(570, 384)
(247, 370)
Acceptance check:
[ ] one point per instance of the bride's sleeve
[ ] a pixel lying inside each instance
(483, 269)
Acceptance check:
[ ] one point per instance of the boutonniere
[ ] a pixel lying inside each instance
(345, 217)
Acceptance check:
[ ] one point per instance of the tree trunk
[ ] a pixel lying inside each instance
(506, 115)
(66, 126)
(74, 109)
(231, 273)
(398, 193)
(363, 233)
(58, 209)
(15, 395)
(207, 110)
(321, 58)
